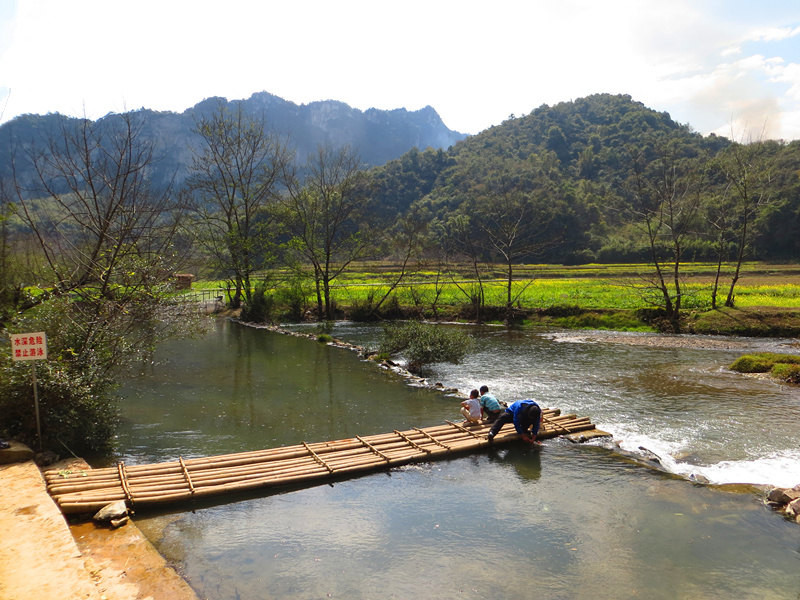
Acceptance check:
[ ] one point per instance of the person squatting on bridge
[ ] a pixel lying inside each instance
(491, 407)
(471, 408)
(526, 416)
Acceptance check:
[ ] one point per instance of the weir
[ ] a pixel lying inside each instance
(149, 485)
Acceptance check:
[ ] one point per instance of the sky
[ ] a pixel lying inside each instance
(730, 67)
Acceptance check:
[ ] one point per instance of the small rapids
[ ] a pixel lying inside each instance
(558, 521)
(667, 395)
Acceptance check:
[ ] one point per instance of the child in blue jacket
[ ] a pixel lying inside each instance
(526, 416)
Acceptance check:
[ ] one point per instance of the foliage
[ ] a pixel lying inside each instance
(102, 244)
(292, 298)
(234, 181)
(790, 373)
(425, 343)
(77, 410)
(77, 381)
(762, 362)
(259, 308)
(323, 215)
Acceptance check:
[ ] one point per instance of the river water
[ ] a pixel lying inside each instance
(561, 521)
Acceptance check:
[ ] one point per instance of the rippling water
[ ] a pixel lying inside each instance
(562, 521)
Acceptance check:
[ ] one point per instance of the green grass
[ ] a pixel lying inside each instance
(785, 367)
(599, 296)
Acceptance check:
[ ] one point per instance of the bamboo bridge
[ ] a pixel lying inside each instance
(83, 492)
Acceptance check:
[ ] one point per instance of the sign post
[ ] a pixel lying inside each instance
(32, 347)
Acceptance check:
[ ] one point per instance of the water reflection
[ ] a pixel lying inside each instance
(560, 521)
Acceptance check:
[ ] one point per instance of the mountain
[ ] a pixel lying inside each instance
(576, 156)
(377, 135)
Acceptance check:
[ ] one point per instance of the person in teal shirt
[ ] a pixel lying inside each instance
(490, 405)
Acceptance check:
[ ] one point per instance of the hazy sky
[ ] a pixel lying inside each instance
(728, 66)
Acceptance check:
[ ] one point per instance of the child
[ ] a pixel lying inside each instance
(471, 409)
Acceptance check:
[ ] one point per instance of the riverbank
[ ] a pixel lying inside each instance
(43, 557)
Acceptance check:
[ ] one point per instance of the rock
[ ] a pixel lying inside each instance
(783, 495)
(46, 458)
(697, 478)
(16, 452)
(793, 508)
(111, 512)
(650, 455)
(115, 523)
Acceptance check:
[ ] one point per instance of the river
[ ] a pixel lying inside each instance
(561, 521)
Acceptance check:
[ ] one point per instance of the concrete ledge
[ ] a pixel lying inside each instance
(42, 557)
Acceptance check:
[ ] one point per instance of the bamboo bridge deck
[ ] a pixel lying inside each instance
(195, 478)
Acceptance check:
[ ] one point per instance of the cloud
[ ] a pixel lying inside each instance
(474, 62)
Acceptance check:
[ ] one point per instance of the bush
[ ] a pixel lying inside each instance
(291, 298)
(425, 343)
(751, 363)
(787, 372)
(363, 310)
(763, 362)
(76, 408)
(89, 343)
(260, 307)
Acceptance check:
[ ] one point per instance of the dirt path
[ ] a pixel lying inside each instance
(41, 557)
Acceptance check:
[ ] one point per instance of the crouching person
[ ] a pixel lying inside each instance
(526, 416)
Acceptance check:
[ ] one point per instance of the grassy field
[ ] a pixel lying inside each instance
(596, 290)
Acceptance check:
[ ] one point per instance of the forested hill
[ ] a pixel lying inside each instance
(578, 157)
(376, 135)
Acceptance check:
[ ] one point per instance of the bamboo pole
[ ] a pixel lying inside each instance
(305, 462)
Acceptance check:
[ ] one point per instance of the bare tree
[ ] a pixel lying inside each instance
(516, 226)
(747, 174)
(236, 183)
(103, 231)
(323, 214)
(106, 241)
(665, 194)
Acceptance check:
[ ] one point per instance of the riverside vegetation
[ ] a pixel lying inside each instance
(615, 297)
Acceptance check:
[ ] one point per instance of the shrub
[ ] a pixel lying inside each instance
(291, 298)
(425, 343)
(751, 363)
(763, 362)
(363, 310)
(260, 307)
(788, 372)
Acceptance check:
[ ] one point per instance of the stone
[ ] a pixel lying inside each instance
(783, 495)
(698, 478)
(113, 511)
(46, 458)
(16, 452)
(793, 508)
(116, 523)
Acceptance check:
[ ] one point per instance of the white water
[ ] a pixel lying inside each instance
(670, 395)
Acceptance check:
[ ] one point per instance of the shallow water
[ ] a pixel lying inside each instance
(562, 521)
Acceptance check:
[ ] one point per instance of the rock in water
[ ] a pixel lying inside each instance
(111, 512)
